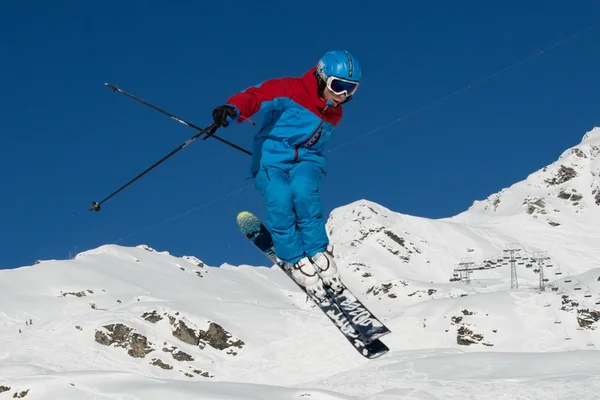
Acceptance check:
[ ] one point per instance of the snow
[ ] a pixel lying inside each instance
(121, 322)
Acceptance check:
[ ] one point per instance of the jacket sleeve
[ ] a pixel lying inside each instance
(273, 92)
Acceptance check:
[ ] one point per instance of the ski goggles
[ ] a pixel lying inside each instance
(341, 86)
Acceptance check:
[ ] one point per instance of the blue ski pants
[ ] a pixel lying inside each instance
(294, 210)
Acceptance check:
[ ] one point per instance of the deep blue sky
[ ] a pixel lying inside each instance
(66, 140)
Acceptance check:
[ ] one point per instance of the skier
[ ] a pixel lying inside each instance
(288, 164)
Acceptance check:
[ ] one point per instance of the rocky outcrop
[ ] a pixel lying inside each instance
(203, 373)
(386, 288)
(216, 336)
(179, 355)
(568, 304)
(152, 316)
(596, 194)
(466, 337)
(219, 338)
(123, 336)
(146, 247)
(569, 194)
(186, 334)
(21, 394)
(193, 260)
(534, 205)
(564, 174)
(420, 292)
(81, 293)
(182, 356)
(394, 237)
(586, 318)
(159, 363)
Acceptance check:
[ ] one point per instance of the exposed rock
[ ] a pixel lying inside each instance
(596, 194)
(193, 260)
(466, 337)
(371, 209)
(384, 287)
(232, 352)
(102, 338)
(146, 247)
(186, 334)
(364, 233)
(151, 316)
(578, 153)
(586, 318)
(21, 394)
(569, 194)
(182, 356)
(534, 204)
(456, 319)
(122, 336)
(76, 294)
(563, 175)
(394, 237)
(494, 201)
(394, 251)
(4, 389)
(568, 304)
(159, 363)
(139, 346)
(218, 337)
(205, 374)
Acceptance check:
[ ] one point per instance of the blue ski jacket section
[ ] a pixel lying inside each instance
(297, 123)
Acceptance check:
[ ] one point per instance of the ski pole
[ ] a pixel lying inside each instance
(209, 133)
(96, 204)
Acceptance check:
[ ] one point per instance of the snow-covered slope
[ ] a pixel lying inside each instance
(136, 323)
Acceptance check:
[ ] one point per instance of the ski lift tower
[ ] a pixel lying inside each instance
(513, 249)
(541, 257)
(467, 265)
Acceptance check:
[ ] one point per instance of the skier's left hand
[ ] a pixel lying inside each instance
(223, 114)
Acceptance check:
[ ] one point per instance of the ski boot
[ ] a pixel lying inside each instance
(327, 270)
(305, 274)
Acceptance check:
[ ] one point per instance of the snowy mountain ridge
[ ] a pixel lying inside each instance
(137, 323)
(570, 181)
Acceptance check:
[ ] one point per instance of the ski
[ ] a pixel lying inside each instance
(342, 317)
(367, 324)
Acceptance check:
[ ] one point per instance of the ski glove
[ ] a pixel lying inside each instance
(222, 114)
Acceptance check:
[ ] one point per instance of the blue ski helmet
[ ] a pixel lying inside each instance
(339, 63)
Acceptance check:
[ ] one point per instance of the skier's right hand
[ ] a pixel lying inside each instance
(223, 114)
